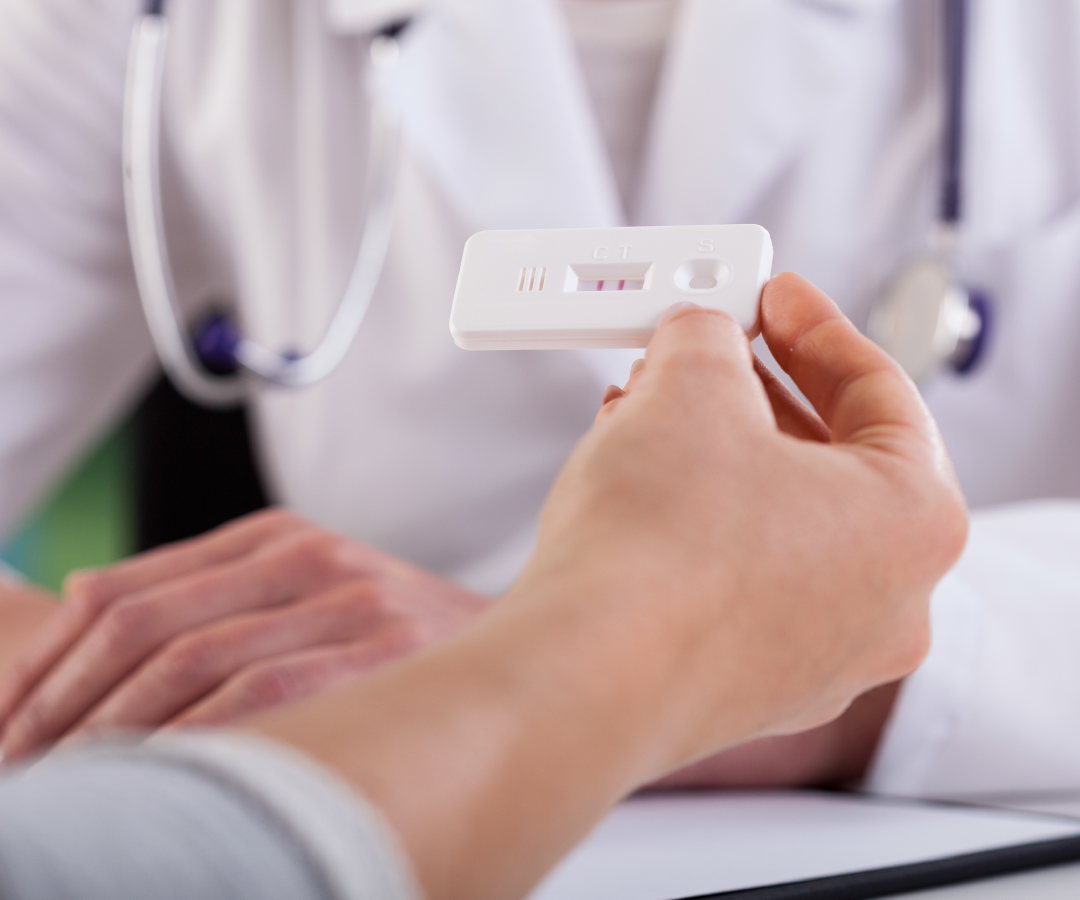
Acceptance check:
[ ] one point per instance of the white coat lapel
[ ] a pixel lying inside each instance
(742, 83)
(494, 106)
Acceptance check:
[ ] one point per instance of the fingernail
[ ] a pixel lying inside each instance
(613, 392)
(677, 308)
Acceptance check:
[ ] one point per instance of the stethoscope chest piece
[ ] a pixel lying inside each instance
(928, 320)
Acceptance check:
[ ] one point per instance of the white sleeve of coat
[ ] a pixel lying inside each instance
(996, 705)
(73, 345)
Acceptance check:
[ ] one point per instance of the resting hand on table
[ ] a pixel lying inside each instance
(265, 610)
(24, 610)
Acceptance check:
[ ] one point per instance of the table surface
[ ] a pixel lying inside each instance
(660, 846)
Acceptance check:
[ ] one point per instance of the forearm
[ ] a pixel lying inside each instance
(492, 756)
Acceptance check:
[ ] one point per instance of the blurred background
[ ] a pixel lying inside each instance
(170, 471)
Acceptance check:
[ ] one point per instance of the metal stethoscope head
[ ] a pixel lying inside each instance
(219, 346)
(928, 320)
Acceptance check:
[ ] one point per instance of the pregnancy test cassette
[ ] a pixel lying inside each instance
(602, 287)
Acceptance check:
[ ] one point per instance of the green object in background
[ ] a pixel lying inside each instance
(88, 522)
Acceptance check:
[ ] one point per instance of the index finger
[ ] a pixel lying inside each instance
(858, 390)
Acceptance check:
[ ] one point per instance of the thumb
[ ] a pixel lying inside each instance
(860, 393)
(702, 357)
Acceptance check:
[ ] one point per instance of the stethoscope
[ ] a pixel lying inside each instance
(928, 320)
(219, 366)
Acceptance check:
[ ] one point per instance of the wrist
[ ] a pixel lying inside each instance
(679, 690)
(459, 747)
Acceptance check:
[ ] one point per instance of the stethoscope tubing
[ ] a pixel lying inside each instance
(956, 22)
(142, 199)
(142, 196)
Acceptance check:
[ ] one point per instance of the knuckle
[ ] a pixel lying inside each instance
(128, 622)
(407, 636)
(909, 647)
(317, 551)
(268, 685)
(954, 525)
(20, 674)
(32, 723)
(188, 658)
(19, 680)
(942, 528)
(917, 647)
(373, 595)
(88, 593)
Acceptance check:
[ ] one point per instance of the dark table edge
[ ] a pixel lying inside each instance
(885, 882)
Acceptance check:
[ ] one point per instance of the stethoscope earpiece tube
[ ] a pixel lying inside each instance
(218, 347)
(955, 68)
(142, 199)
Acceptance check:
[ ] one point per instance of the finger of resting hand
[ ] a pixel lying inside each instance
(192, 666)
(792, 415)
(222, 545)
(296, 676)
(90, 592)
(704, 355)
(860, 393)
(58, 635)
(132, 629)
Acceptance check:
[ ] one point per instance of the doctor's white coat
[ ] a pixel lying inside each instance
(819, 119)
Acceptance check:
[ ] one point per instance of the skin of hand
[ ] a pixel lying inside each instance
(836, 754)
(701, 579)
(24, 611)
(267, 609)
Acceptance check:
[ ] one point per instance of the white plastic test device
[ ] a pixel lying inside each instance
(602, 287)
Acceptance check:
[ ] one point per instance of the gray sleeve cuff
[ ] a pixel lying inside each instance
(213, 815)
(344, 836)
